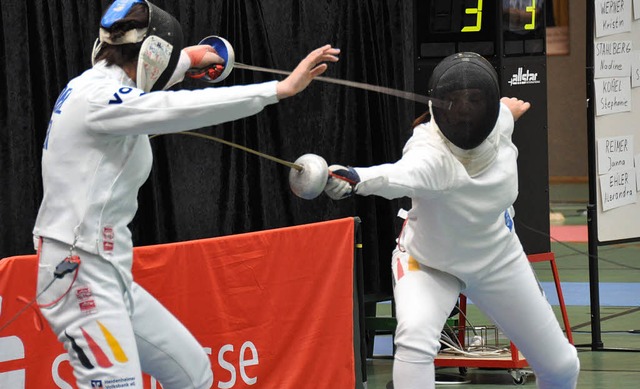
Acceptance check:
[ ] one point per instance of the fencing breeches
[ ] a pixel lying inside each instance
(113, 332)
(510, 295)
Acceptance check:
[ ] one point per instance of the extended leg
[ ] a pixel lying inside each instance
(168, 351)
(424, 299)
(512, 297)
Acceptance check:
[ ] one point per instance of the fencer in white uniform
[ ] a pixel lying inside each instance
(460, 171)
(95, 158)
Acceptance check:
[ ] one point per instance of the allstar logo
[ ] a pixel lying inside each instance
(524, 78)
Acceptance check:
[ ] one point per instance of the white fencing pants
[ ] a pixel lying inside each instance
(509, 294)
(108, 346)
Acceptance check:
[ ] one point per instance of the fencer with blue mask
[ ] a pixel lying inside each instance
(460, 170)
(95, 158)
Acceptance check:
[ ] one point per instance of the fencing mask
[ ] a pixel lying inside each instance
(470, 83)
(161, 43)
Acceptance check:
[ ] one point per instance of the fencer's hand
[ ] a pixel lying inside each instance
(202, 56)
(310, 67)
(516, 106)
(342, 181)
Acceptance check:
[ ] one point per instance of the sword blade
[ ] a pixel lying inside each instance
(359, 85)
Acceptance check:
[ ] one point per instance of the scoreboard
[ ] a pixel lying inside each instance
(445, 27)
(511, 35)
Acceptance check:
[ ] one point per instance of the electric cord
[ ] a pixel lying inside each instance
(481, 350)
(596, 257)
(445, 335)
(29, 304)
(487, 352)
(634, 332)
(455, 347)
(65, 267)
(473, 328)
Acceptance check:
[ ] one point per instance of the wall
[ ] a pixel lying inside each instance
(567, 110)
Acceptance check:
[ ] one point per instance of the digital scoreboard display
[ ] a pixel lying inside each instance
(444, 27)
(523, 27)
(522, 16)
(443, 20)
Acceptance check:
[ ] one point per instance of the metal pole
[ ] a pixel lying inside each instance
(592, 209)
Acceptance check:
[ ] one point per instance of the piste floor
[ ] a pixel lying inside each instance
(617, 364)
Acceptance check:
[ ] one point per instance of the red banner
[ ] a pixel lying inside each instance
(266, 306)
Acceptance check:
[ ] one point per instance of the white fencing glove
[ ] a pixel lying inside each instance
(342, 181)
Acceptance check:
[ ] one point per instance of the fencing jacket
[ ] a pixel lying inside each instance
(97, 152)
(457, 219)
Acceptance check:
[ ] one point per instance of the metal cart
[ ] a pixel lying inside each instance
(513, 361)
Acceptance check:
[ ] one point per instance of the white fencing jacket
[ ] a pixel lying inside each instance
(97, 152)
(461, 216)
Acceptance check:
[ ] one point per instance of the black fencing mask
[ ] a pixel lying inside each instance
(470, 83)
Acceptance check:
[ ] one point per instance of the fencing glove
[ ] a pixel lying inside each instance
(342, 181)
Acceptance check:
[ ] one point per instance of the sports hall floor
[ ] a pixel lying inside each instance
(617, 366)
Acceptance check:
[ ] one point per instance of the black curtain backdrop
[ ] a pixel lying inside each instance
(199, 188)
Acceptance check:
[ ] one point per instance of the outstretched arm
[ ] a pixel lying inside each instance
(421, 172)
(113, 108)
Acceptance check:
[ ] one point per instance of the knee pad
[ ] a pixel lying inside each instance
(416, 343)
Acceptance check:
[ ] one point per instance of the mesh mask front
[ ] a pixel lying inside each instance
(162, 43)
(160, 51)
(470, 83)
